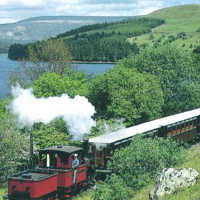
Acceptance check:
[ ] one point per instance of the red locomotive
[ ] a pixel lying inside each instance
(57, 178)
(54, 177)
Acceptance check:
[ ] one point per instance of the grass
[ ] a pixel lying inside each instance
(83, 196)
(3, 191)
(177, 19)
(192, 160)
(130, 26)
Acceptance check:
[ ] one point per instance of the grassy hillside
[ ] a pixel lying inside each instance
(127, 26)
(192, 160)
(179, 19)
(181, 28)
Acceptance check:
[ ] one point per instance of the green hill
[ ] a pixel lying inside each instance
(181, 27)
(178, 19)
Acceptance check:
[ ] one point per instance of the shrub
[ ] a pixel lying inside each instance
(151, 36)
(114, 188)
(182, 36)
(197, 50)
(171, 38)
(138, 163)
(198, 30)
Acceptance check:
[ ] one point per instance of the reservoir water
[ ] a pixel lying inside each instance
(7, 67)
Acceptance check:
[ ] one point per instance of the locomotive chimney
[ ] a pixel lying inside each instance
(31, 147)
(85, 144)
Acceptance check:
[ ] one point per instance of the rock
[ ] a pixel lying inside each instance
(171, 180)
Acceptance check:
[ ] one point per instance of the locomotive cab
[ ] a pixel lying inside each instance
(59, 159)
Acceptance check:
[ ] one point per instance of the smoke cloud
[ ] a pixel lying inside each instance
(77, 112)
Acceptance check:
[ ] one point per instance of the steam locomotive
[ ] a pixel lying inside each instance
(53, 179)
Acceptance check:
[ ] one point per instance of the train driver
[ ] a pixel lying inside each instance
(75, 164)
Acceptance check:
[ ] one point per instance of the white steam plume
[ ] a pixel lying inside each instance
(77, 112)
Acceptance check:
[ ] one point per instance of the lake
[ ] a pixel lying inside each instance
(8, 66)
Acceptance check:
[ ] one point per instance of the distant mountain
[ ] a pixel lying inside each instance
(105, 42)
(41, 28)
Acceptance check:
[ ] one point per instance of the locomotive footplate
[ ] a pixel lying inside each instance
(32, 185)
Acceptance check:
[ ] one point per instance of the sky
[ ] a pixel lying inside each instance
(15, 10)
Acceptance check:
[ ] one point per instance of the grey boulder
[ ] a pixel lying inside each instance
(170, 180)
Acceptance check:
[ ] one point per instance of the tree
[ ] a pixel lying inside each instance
(3, 110)
(49, 56)
(52, 134)
(126, 93)
(52, 84)
(188, 95)
(17, 52)
(173, 67)
(14, 150)
(55, 55)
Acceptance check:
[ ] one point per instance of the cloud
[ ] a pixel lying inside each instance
(12, 10)
(17, 3)
(110, 8)
(7, 20)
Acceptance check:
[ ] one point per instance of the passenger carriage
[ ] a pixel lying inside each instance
(183, 126)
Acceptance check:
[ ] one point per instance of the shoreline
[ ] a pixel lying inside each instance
(81, 62)
(91, 62)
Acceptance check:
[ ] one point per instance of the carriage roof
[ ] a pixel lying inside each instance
(65, 149)
(145, 127)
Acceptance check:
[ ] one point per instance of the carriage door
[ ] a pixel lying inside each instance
(99, 158)
(198, 124)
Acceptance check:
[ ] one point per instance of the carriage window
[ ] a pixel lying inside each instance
(53, 160)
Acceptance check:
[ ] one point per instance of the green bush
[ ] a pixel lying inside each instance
(171, 38)
(126, 93)
(182, 36)
(140, 162)
(198, 30)
(114, 188)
